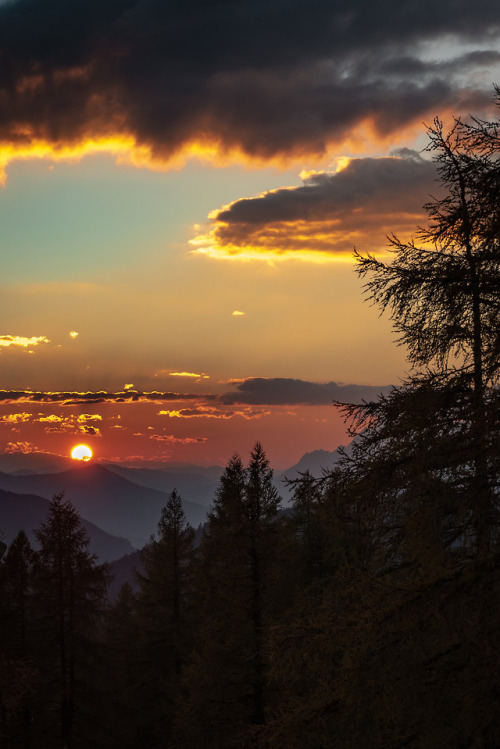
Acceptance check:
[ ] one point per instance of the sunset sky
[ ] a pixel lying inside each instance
(184, 184)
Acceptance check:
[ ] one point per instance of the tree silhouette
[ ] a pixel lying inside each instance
(163, 619)
(226, 681)
(69, 588)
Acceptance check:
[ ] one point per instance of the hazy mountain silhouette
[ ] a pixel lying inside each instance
(314, 462)
(125, 501)
(27, 512)
(103, 497)
(194, 483)
(26, 463)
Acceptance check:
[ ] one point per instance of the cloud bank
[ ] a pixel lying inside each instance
(152, 79)
(253, 391)
(280, 391)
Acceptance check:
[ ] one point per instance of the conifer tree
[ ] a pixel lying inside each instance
(394, 653)
(163, 619)
(226, 681)
(69, 588)
(124, 661)
(444, 297)
(18, 679)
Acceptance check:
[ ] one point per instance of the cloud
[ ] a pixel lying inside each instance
(22, 341)
(153, 82)
(71, 398)
(177, 440)
(280, 391)
(21, 447)
(84, 418)
(208, 412)
(15, 418)
(194, 375)
(361, 203)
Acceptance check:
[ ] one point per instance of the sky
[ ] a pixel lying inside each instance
(184, 185)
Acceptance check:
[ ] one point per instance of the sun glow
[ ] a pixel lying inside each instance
(81, 452)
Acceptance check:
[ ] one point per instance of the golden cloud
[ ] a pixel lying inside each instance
(357, 206)
(21, 447)
(15, 418)
(208, 412)
(22, 341)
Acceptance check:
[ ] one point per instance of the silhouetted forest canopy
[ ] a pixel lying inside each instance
(368, 613)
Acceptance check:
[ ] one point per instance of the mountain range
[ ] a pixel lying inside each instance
(120, 506)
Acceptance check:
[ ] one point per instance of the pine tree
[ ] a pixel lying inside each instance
(19, 677)
(69, 589)
(226, 681)
(163, 619)
(123, 658)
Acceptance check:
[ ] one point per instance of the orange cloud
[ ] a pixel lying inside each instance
(189, 374)
(21, 447)
(177, 440)
(15, 418)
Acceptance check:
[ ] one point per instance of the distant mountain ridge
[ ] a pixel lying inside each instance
(27, 512)
(315, 462)
(198, 487)
(121, 505)
(106, 499)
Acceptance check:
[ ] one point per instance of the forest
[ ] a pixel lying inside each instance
(367, 613)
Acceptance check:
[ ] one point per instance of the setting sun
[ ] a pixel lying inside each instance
(81, 452)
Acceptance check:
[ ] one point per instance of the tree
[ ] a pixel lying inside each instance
(163, 619)
(17, 627)
(69, 588)
(402, 646)
(444, 298)
(226, 681)
(124, 661)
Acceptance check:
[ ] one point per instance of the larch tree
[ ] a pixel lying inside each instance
(402, 647)
(443, 293)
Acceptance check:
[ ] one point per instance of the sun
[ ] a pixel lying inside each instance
(81, 452)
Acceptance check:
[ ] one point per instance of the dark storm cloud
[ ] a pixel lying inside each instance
(269, 77)
(403, 181)
(280, 391)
